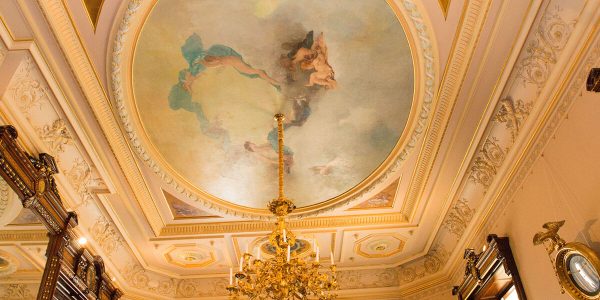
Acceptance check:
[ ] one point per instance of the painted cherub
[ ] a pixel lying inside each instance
(316, 58)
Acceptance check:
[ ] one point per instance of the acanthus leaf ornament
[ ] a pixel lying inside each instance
(513, 114)
(542, 52)
(459, 217)
(487, 162)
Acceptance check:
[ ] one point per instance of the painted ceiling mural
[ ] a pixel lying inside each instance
(208, 76)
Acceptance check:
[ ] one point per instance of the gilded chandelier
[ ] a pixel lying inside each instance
(285, 275)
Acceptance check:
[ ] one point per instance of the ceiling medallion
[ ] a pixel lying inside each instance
(285, 275)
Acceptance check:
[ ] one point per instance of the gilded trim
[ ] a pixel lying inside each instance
(23, 235)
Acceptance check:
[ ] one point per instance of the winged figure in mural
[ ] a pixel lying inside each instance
(308, 56)
(199, 59)
(217, 55)
(312, 55)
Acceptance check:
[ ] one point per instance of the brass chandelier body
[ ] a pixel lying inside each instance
(285, 275)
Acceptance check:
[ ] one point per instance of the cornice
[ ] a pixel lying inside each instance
(461, 53)
(559, 105)
(396, 220)
(23, 235)
(553, 121)
(75, 53)
(498, 145)
(571, 80)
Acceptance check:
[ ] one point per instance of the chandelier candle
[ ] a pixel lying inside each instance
(317, 253)
(284, 274)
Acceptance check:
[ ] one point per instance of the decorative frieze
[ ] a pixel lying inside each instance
(17, 291)
(55, 136)
(459, 217)
(430, 264)
(542, 51)
(512, 114)
(106, 235)
(487, 162)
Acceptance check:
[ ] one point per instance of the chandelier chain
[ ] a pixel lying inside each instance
(280, 118)
(286, 273)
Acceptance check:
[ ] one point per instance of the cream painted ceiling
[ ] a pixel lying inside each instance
(481, 89)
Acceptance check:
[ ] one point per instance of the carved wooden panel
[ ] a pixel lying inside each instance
(71, 271)
(491, 273)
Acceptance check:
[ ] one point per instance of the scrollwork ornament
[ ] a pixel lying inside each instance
(459, 217)
(486, 164)
(80, 175)
(541, 53)
(186, 288)
(432, 263)
(16, 291)
(388, 277)
(137, 277)
(106, 235)
(55, 136)
(29, 93)
(513, 114)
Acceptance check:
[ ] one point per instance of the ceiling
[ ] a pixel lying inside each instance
(209, 127)
(160, 116)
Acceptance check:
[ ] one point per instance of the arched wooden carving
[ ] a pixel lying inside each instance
(66, 272)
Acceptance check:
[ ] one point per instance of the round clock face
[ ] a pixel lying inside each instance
(583, 274)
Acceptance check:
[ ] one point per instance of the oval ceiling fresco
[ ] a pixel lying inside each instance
(208, 76)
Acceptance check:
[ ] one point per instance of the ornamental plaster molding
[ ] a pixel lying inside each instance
(434, 261)
(18, 291)
(494, 146)
(430, 264)
(433, 293)
(426, 56)
(24, 235)
(55, 136)
(501, 134)
(309, 223)
(487, 161)
(106, 235)
(542, 51)
(556, 115)
(505, 127)
(3, 51)
(60, 23)
(30, 93)
(513, 114)
(12, 264)
(369, 278)
(208, 287)
(462, 51)
(458, 219)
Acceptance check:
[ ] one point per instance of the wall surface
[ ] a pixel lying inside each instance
(564, 184)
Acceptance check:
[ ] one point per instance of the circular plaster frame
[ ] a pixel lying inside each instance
(425, 65)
